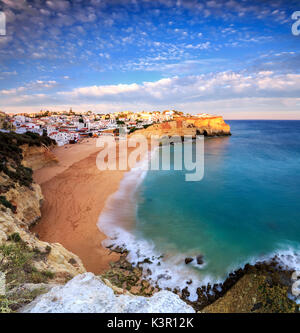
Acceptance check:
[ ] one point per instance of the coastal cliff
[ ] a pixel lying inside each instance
(30, 265)
(45, 271)
(89, 294)
(40, 271)
(35, 157)
(181, 126)
(210, 126)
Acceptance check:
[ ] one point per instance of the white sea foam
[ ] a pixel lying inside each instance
(167, 270)
(116, 221)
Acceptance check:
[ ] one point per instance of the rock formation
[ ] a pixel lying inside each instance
(87, 293)
(211, 126)
(23, 257)
(181, 126)
(35, 157)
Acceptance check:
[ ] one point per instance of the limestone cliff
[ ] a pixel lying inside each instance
(35, 157)
(62, 263)
(181, 126)
(210, 126)
(23, 257)
(87, 293)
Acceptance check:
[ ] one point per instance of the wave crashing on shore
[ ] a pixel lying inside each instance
(166, 269)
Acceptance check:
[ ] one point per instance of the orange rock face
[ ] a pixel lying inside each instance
(211, 126)
(181, 126)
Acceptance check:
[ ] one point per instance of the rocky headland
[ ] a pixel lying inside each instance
(192, 126)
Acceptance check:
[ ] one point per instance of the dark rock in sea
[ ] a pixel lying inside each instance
(208, 288)
(199, 259)
(145, 261)
(185, 293)
(188, 260)
(120, 250)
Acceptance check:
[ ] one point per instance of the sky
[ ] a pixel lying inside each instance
(238, 59)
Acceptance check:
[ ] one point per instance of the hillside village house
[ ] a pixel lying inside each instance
(66, 126)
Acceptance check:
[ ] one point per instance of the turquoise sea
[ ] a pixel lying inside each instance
(247, 207)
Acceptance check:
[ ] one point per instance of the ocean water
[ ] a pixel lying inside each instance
(246, 208)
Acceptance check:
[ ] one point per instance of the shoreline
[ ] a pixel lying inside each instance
(263, 286)
(75, 193)
(134, 257)
(81, 237)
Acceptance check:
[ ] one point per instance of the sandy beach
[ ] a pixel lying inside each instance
(75, 192)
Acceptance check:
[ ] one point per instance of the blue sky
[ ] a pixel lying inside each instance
(235, 58)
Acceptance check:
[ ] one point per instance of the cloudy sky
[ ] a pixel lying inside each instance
(234, 58)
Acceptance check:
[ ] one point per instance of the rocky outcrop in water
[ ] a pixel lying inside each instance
(262, 287)
(87, 293)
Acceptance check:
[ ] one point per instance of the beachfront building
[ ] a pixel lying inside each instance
(168, 115)
(66, 126)
(64, 137)
(22, 128)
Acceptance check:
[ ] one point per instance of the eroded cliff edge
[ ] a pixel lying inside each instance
(48, 271)
(28, 263)
(34, 268)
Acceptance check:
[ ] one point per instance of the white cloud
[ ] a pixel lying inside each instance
(205, 87)
(99, 91)
(222, 93)
(104, 55)
(209, 87)
(200, 46)
(59, 5)
(12, 91)
(33, 85)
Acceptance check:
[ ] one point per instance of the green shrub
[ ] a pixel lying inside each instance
(19, 263)
(132, 129)
(6, 203)
(11, 154)
(15, 237)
